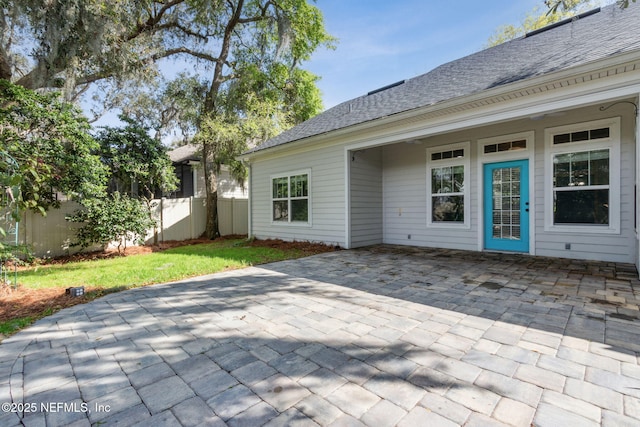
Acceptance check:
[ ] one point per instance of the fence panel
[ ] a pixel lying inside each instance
(177, 219)
(51, 235)
(233, 216)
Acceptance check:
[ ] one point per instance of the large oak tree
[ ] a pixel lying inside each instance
(257, 87)
(248, 54)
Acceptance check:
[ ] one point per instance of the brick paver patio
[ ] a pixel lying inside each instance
(381, 336)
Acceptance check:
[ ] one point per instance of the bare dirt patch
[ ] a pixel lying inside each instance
(24, 302)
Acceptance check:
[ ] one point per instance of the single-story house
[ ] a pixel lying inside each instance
(187, 164)
(530, 146)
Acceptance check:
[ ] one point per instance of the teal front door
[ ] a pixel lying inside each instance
(506, 206)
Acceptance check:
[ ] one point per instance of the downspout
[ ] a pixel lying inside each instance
(347, 198)
(249, 197)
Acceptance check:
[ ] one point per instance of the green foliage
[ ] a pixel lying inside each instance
(288, 96)
(114, 218)
(168, 108)
(303, 98)
(226, 136)
(134, 158)
(15, 253)
(12, 255)
(268, 44)
(51, 149)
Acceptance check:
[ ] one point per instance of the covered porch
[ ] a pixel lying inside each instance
(434, 186)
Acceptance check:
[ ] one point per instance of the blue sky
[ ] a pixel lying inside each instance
(382, 41)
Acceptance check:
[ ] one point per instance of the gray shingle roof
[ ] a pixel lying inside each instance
(596, 36)
(184, 153)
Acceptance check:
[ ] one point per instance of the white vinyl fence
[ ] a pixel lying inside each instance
(177, 219)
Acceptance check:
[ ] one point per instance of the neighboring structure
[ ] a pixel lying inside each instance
(529, 146)
(186, 161)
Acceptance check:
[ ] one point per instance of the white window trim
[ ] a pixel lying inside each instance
(463, 161)
(291, 223)
(613, 144)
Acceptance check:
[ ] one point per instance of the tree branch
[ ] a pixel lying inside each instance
(263, 14)
(153, 20)
(91, 78)
(218, 78)
(186, 51)
(185, 30)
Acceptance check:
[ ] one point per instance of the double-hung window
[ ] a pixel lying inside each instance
(290, 198)
(448, 192)
(583, 177)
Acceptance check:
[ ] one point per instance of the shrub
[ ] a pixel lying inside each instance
(116, 218)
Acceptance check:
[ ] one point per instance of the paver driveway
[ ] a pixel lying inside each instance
(381, 336)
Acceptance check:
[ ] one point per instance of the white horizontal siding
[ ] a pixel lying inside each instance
(327, 194)
(405, 202)
(228, 187)
(612, 253)
(366, 197)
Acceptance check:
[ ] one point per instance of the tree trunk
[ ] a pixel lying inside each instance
(208, 150)
(211, 185)
(212, 216)
(5, 68)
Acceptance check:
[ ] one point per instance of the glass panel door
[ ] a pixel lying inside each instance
(506, 206)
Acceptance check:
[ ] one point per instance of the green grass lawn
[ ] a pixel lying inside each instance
(158, 267)
(119, 273)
